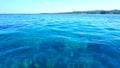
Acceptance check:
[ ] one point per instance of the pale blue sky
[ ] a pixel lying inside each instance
(48, 6)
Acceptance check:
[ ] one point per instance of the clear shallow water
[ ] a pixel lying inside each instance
(59, 41)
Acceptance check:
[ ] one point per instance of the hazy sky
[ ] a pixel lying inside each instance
(43, 6)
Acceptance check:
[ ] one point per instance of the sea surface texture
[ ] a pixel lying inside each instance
(59, 41)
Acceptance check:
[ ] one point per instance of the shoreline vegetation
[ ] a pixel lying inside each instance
(90, 12)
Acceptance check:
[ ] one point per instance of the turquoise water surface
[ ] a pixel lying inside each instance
(59, 41)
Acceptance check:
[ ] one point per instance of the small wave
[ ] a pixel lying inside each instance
(15, 50)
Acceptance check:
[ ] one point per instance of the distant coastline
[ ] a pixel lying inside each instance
(91, 12)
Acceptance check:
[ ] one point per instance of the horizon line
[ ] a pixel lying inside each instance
(59, 12)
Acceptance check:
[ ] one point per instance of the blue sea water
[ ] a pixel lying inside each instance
(59, 41)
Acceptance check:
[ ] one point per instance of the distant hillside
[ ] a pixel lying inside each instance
(94, 12)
